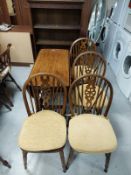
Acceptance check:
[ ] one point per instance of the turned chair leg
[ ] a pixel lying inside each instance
(108, 156)
(15, 82)
(62, 160)
(24, 158)
(70, 158)
(5, 163)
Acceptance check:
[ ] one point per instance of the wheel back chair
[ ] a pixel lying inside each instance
(90, 130)
(5, 66)
(45, 128)
(80, 45)
(89, 62)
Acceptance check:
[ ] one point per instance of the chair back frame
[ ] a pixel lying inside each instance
(89, 62)
(81, 45)
(83, 91)
(44, 91)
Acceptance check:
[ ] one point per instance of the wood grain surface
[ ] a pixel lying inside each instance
(54, 61)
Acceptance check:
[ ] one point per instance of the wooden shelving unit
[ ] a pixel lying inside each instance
(55, 23)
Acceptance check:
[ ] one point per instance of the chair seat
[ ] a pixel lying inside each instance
(91, 134)
(4, 72)
(95, 96)
(43, 131)
(81, 70)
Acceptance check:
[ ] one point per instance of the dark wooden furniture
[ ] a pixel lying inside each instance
(55, 61)
(95, 133)
(22, 28)
(45, 128)
(4, 162)
(56, 23)
(5, 65)
(86, 63)
(22, 12)
(80, 45)
(4, 14)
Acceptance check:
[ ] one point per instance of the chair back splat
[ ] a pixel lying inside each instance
(44, 91)
(90, 94)
(89, 62)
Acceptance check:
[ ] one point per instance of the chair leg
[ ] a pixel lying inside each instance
(62, 160)
(24, 158)
(5, 163)
(6, 95)
(108, 156)
(5, 105)
(15, 82)
(70, 158)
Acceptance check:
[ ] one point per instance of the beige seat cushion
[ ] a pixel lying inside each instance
(43, 131)
(94, 96)
(4, 72)
(80, 70)
(91, 134)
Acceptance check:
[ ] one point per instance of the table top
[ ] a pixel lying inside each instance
(54, 61)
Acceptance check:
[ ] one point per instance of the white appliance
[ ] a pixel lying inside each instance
(109, 40)
(124, 74)
(119, 48)
(103, 35)
(119, 12)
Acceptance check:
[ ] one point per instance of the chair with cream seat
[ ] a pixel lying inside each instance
(90, 130)
(45, 128)
(80, 45)
(88, 62)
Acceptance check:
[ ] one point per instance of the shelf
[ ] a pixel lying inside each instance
(56, 23)
(57, 27)
(56, 1)
(56, 4)
(53, 42)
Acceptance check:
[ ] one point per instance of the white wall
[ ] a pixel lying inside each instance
(21, 50)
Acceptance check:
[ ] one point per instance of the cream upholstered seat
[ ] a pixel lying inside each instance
(80, 70)
(45, 130)
(89, 133)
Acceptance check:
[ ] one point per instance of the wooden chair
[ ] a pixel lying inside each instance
(45, 128)
(81, 45)
(90, 131)
(5, 67)
(88, 62)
